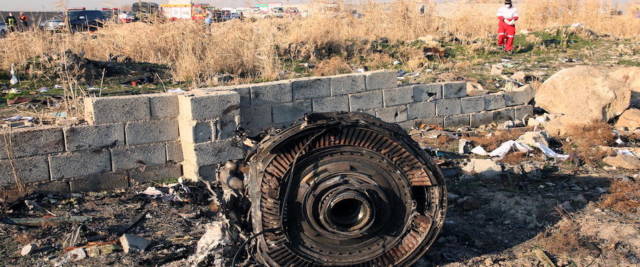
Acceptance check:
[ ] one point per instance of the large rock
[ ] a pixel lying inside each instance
(563, 125)
(586, 93)
(623, 161)
(631, 77)
(629, 121)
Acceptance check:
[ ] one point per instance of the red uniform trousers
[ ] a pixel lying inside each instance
(506, 34)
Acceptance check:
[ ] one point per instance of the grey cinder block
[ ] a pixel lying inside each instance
(421, 110)
(380, 80)
(347, 84)
(398, 96)
(144, 132)
(102, 110)
(94, 136)
(138, 156)
(288, 112)
(472, 104)
(163, 106)
(28, 170)
(81, 163)
(308, 88)
(454, 90)
(427, 92)
(331, 104)
(448, 107)
(366, 100)
(31, 142)
(272, 92)
(494, 101)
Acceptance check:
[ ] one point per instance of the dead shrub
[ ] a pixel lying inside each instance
(624, 197)
(584, 141)
(332, 66)
(492, 141)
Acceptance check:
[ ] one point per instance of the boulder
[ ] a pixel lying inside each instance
(586, 93)
(631, 77)
(623, 161)
(561, 126)
(629, 121)
(485, 168)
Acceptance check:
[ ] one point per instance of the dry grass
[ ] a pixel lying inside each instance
(495, 139)
(624, 197)
(259, 50)
(584, 141)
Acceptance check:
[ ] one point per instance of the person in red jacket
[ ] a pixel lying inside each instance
(507, 17)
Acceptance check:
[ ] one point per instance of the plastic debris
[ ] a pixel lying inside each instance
(479, 151)
(43, 89)
(507, 147)
(26, 250)
(177, 90)
(550, 153)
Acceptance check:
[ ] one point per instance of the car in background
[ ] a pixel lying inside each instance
(3, 29)
(85, 20)
(54, 24)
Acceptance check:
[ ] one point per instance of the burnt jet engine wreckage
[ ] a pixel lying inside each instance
(343, 189)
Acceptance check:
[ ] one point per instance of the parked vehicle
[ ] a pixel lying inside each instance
(85, 20)
(3, 29)
(54, 24)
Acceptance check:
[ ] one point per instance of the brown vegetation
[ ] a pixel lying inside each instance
(585, 141)
(495, 139)
(259, 50)
(624, 197)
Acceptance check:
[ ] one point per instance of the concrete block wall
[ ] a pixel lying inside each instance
(126, 137)
(150, 137)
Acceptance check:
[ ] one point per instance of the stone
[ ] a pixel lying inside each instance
(520, 96)
(144, 132)
(174, 152)
(132, 243)
(94, 137)
(163, 106)
(393, 114)
(523, 112)
(347, 84)
(497, 69)
(472, 104)
(475, 89)
(76, 254)
(427, 92)
(331, 104)
(481, 118)
(201, 105)
(307, 88)
(421, 110)
(398, 96)
(587, 93)
(485, 168)
(155, 173)
(217, 152)
(629, 120)
(289, 112)
(630, 76)
(138, 156)
(380, 80)
(532, 138)
(28, 170)
(507, 114)
(271, 93)
(562, 125)
(519, 76)
(454, 90)
(102, 110)
(26, 250)
(81, 163)
(256, 118)
(455, 121)
(366, 100)
(31, 142)
(623, 161)
(448, 107)
(494, 101)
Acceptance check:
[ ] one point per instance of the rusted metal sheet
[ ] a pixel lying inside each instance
(344, 189)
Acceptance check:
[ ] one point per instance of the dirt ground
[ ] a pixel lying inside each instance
(553, 215)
